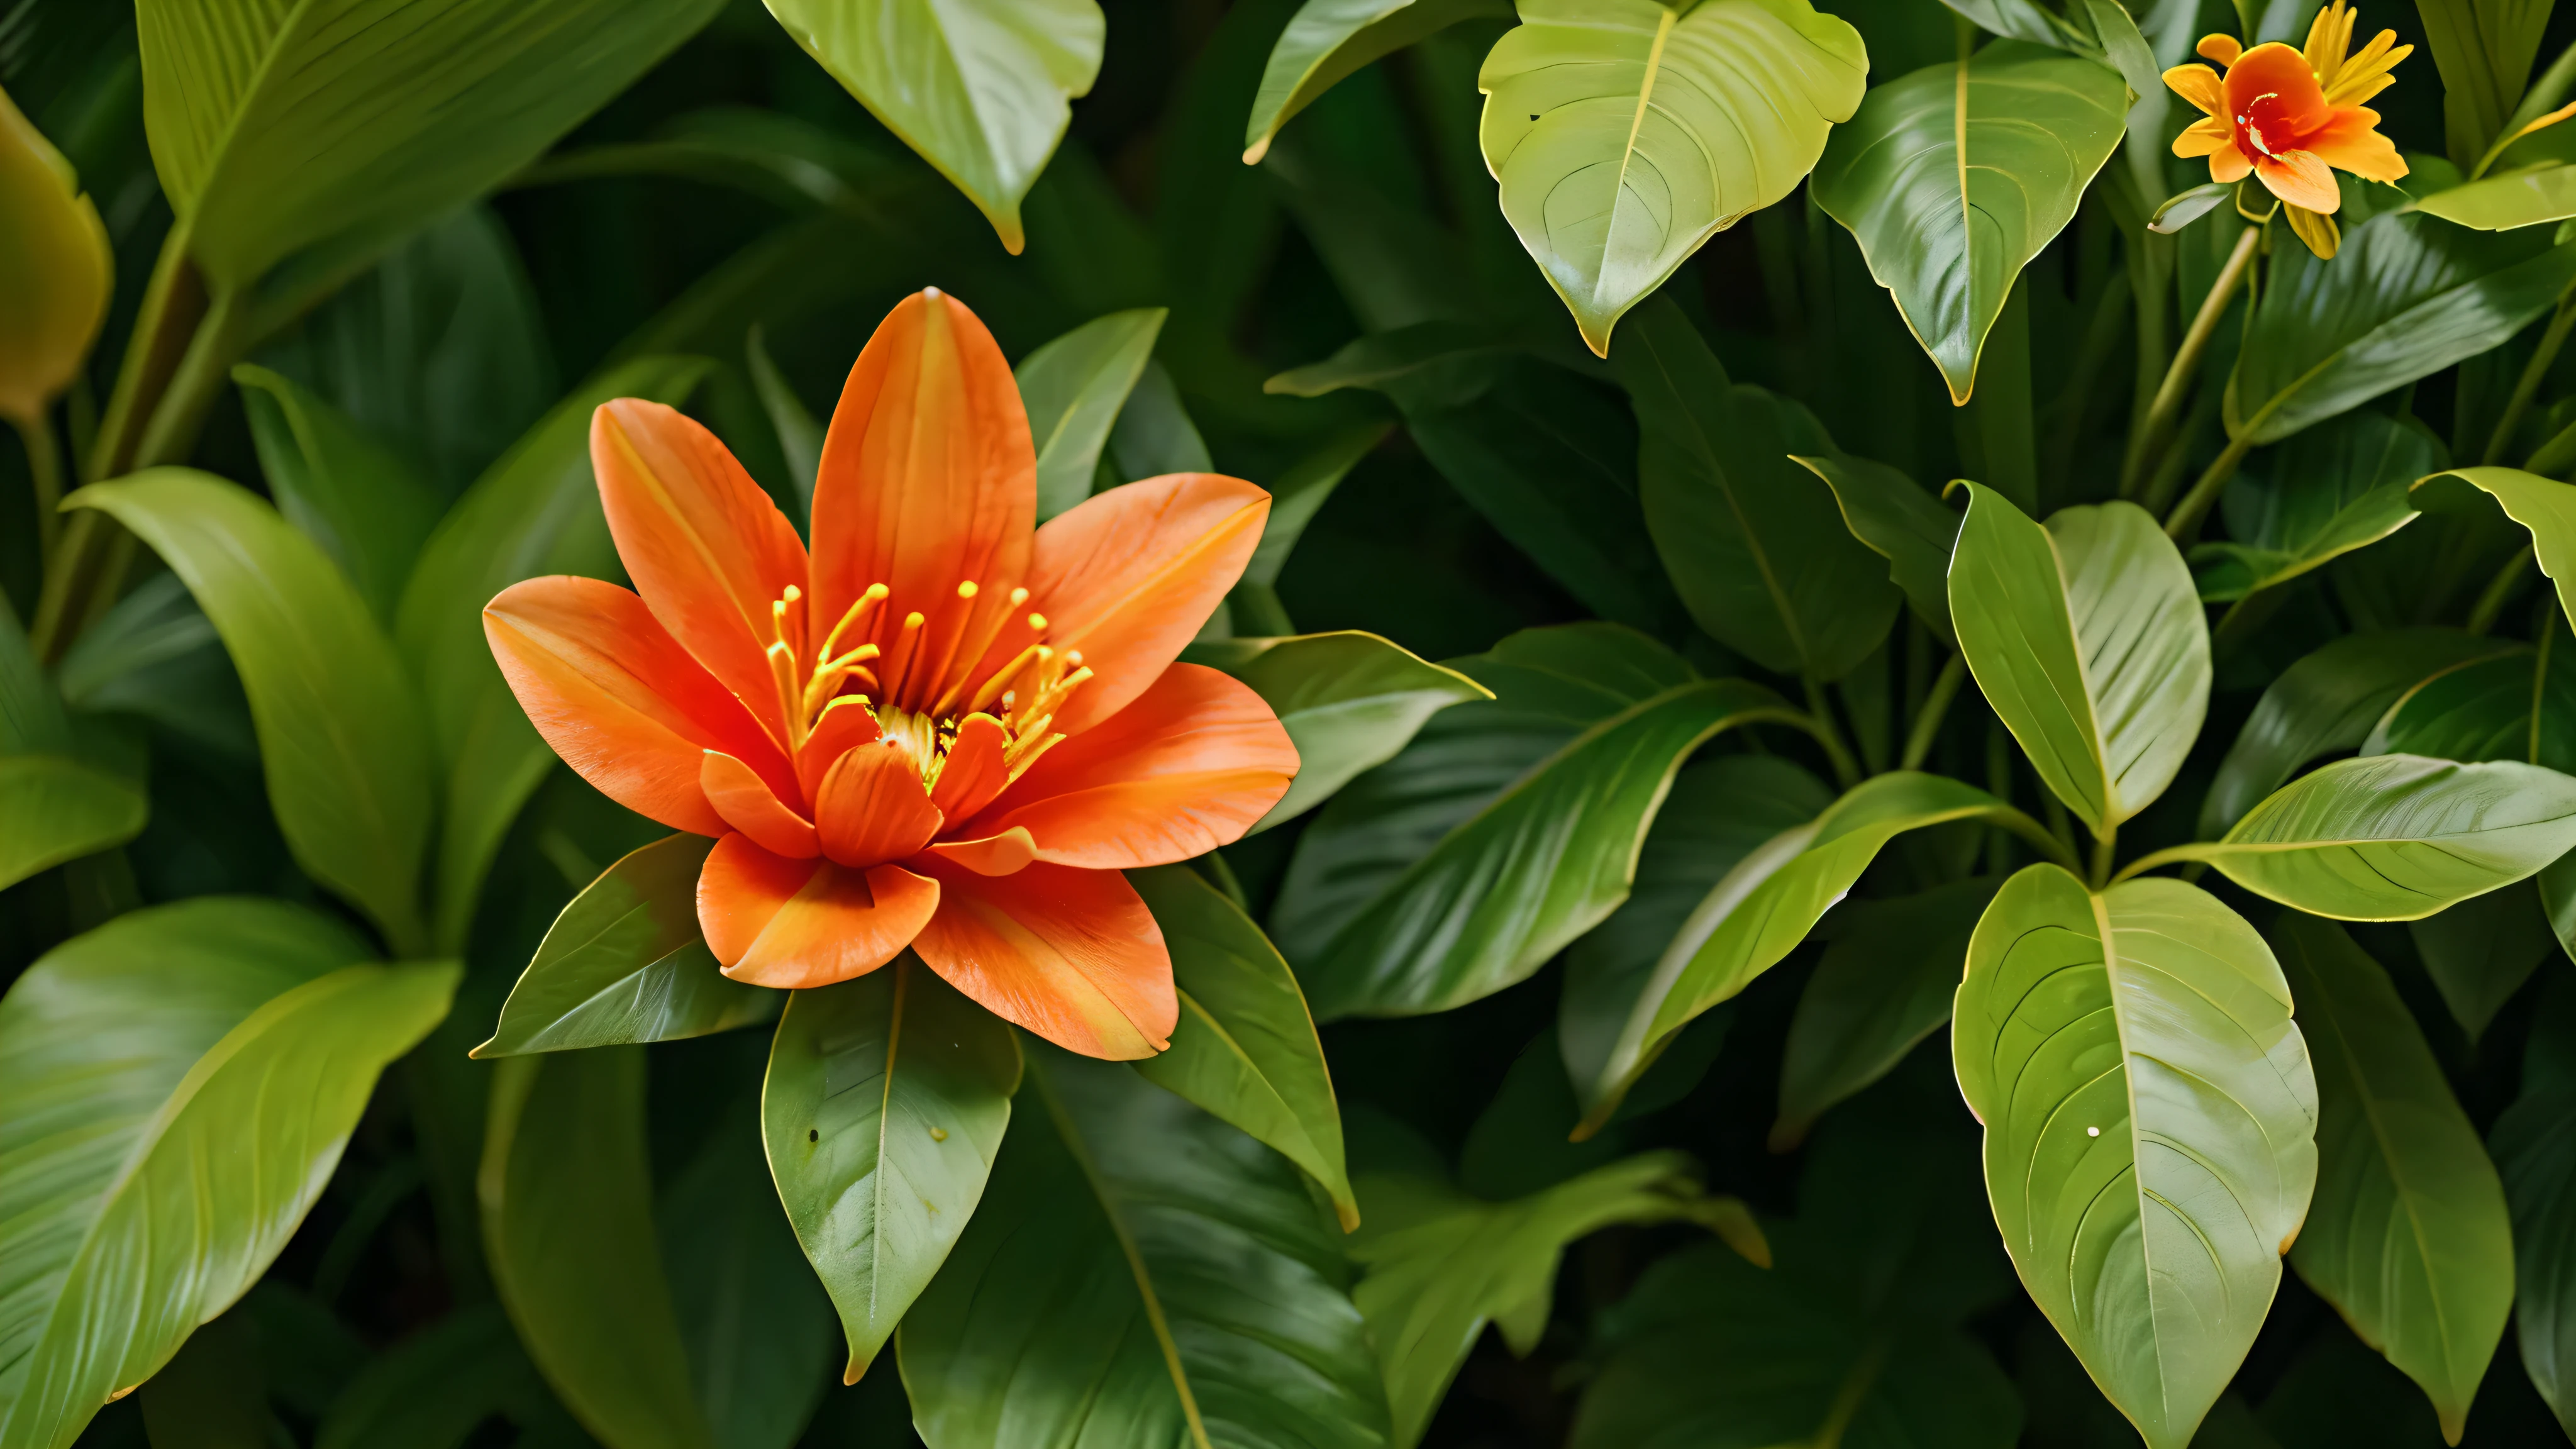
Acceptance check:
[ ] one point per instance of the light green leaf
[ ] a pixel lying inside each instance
(981, 92)
(2506, 200)
(1889, 971)
(2150, 1117)
(341, 488)
(2406, 296)
(1954, 177)
(625, 963)
(2393, 837)
(331, 128)
(1245, 1049)
(536, 511)
(1073, 388)
(1441, 1265)
(2328, 701)
(54, 808)
(2088, 640)
(2408, 1236)
(2544, 507)
(1902, 523)
(1350, 702)
(1752, 539)
(915, 1083)
(2534, 1147)
(175, 1090)
(2334, 488)
(347, 763)
(1625, 133)
(1139, 1273)
(566, 1196)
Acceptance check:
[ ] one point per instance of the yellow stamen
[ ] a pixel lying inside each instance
(831, 641)
(907, 647)
(782, 668)
(998, 687)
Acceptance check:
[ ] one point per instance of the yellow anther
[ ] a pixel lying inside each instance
(1019, 597)
(1038, 622)
(793, 593)
(966, 590)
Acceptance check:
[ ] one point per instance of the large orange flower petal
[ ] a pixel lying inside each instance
(619, 699)
(2352, 141)
(778, 922)
(1128, 576)
(872, 806)
(2199, 85)
(928, 477)
(707, 549)
(748, 805)
(2277, 74)
(2301, 178)
(845, 724)
(1187, 767)
(1072, 955)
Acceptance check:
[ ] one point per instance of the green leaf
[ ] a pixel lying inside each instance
(1544, 863)
(566, 1198)
(2405, 297)
(1901, 523)
(2393, 837)
(2331, 489)
(1328, 40)
(1752, 539)
(1154, 434)
(1139, 1273)
(1954, 177)
(2150, 1117)
(2328, 701)
(2088, 640)
(1441, 1265)
(2481, 951)
(2534, 1147)
(2484, 50)
(2505, 200)
(1074, 388)
(31, 712)
(915, 1082)
(1719, 813)
(2544, 507)
(333, 128)
(982, 94)
(2519, 705)
(2408, 1236)
(1350, 702)
(175, 1089)
(1298, 494)
(800, 438)
(339, 726)
(1245, 1049)
(536, 511)
(54, 809)
(1889, 971)
(1625, 133)
(341, 488)
(625, 963)
(432, 1389)
(1758, 912)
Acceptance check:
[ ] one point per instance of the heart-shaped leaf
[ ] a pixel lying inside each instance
(1349, 701)
(1625, 133)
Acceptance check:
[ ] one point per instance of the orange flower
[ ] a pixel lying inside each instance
(943, 729)
(2290, 117)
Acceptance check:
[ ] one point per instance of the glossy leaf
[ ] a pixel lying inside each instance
(2408, 1236)
(1885, 983)
(1953, 178)
(536, 511)
(1246, 1049)
(1350, 701)
(2534, 1147)
(2088, 640)
(54, 253)
(339, 487)
(346, 759)
(2406, 296)
(1625, 133)
(330, 130)
(982, 93)
(1752, 539)
(886, 1102)
(1139, 1273)
(2544, 507)
(2334, 488)
(54, 808)
(175, 1090)
(2150, 1117)
(1902, 523)
(2328, 701)
(625, 963)
(1073, 388)
(2394, 837)
(566, 1195)
(1327, 40)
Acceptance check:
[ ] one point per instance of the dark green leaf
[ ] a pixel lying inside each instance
(2480, 951)
(2334, 488)
(2534, 1143)
(343, 489)
(1901, 523)
(431, 1390)
(2543, 506)
(1153, 434)
(800, 438)
(1296, 496)
(1350, 702)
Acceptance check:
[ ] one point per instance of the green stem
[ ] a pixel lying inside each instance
(2184, 524)
(45, 469)
(2195, 343)
(2528, 387)
(2102, 856)
(2499, 590)
(1830, 737)
(2168, 856)
(1936, 705)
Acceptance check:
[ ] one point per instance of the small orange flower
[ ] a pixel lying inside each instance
(2289, 117)
(945, 728)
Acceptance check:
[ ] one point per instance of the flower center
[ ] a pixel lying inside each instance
(2266, 113)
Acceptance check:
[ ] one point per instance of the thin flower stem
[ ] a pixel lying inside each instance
(1830, 737)
(1936, 705)
(2195, 343)
(2532, 374)
(45, 469)
(2184, 525)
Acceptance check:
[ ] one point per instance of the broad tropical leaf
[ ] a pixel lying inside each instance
(1626, 132)
(2408, 1236)
(344, 490)
(2150, 1119)
(1350, 702)
(886, 1101)
(1328, 40)
(1954, 177)
(1073, 388)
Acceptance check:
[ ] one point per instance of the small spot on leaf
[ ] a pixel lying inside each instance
(938, 1134)
(813, 1134)
(2092, 1131)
